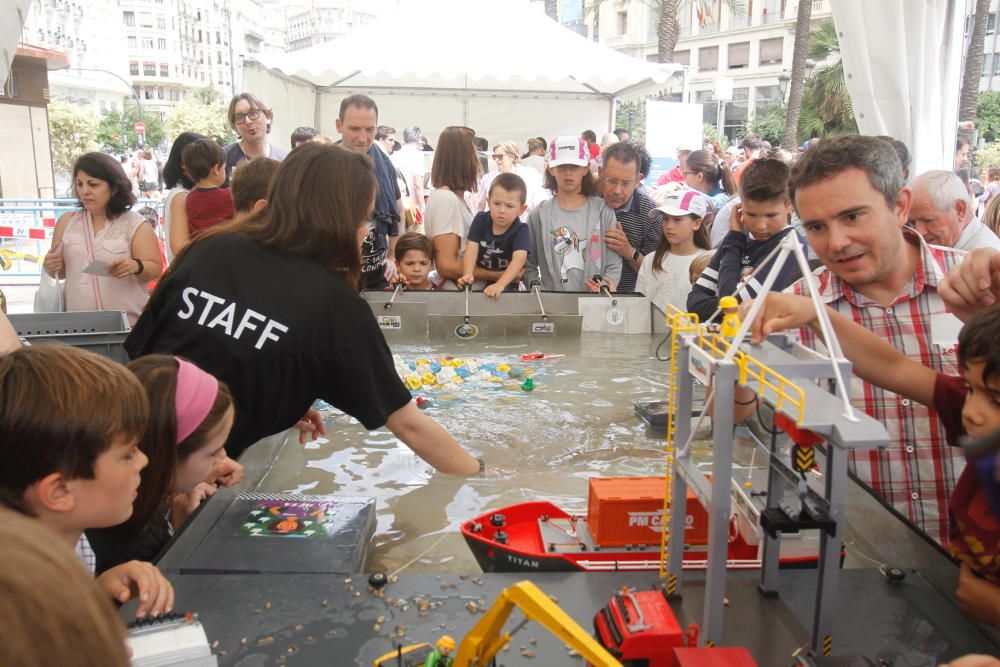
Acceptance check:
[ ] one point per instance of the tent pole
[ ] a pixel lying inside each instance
(317, 116)
(614, 113)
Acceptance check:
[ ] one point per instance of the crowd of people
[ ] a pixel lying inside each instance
(256, 310)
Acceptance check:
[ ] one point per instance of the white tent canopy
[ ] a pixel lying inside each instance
(902, 63)
(503, 68)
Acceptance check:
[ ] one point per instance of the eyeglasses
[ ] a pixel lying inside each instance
(253, 114)
(625, 185)
(499, 157)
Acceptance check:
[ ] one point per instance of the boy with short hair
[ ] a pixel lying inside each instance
(501, 240)
(968, 404)
(413, 261)
(208, 203)
(758, 224)
(70, 422)
(250, 184)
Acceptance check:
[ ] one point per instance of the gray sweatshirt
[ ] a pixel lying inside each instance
(567, 247)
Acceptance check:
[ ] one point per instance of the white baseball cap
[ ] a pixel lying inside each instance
(682, 202)
(568, 150)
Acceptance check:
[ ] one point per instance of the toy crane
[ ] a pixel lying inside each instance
(780, 370)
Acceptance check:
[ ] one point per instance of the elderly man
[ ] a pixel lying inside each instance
(849, 194)
(636, 235)
(357, 125)
(943, 212)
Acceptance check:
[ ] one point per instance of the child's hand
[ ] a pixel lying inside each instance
(780, 313)
(493, 291)
(977, 598)
(136, 579)
(595, 286)
(183, 505)
(971, 286)
(227, 472)
(467, 279)
(311, 423)
(123, 268)
(736, 219)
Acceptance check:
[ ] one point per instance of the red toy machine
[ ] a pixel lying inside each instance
(638, 628)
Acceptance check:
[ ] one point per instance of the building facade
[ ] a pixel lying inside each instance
(95, 49)
(748, 49)
(308, 24)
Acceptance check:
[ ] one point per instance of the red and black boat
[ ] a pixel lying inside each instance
(621, 531)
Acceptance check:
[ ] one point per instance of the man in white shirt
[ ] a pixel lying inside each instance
(944, 213)
(409, 159)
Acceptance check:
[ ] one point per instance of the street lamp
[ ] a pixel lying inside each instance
(783, 80)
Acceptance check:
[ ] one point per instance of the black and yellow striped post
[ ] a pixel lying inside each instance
(803, 458)
(828, 645)
(672, 584)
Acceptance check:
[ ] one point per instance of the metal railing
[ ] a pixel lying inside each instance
(27, 225)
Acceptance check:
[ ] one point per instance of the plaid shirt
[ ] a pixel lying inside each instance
(86, 554)
(916, 473)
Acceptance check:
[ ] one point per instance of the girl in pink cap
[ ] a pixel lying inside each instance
(191, 414)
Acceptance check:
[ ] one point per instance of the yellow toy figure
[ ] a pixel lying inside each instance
(441, 655)
(730, 317)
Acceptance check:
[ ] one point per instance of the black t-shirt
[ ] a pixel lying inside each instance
(495, 252)
(279, 329)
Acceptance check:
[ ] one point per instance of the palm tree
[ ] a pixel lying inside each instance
(552, 9)
(973, 64)
(790, 139)
(826, 104)
(668, 28)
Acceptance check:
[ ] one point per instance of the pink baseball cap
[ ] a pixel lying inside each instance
(682, 202)
(568, 150)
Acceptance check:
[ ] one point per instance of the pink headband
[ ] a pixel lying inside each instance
(195, 396)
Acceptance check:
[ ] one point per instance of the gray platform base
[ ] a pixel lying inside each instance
(905, 624)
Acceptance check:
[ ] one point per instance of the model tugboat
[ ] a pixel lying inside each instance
(621, 531)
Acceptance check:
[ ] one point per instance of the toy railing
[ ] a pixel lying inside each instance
(680, 323)
(786, 394)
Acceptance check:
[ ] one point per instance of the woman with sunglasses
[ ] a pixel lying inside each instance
(251, 119)
(507, 157)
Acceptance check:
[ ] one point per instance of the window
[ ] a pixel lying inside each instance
(147, 42)
(991, 24)
(199, 36)
(133, 42)
(161, 22)
(987, 61)
(145, 20)
(164, 70)
(996, 63)
(736, 112)
(148, 93)
(709, 107)
(708, 59)
(159, 93)
(133, 68)
(681, 57)
(149, 69)
(622, 23)
(739, 55)
(161, 44)
(218, 37)
(765, 97)
(103, 106)
(771, 51)
(218, 57)
(129, 19)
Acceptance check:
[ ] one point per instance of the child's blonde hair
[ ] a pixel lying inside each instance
(52, 612)
(699, 264)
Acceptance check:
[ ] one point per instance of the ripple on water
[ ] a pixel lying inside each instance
(577, 424)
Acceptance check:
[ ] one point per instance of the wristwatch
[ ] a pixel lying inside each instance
(635, 254)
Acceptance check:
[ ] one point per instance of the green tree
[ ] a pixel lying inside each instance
(988, 115)
(72, 132)
(969, 97)
(116, 130)
(989, 155)
(632, 117)
(798, 77)
(668, 27)
(191, 115)
(826, 105)
(768, 123)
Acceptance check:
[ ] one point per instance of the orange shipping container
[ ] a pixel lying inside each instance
(629, 511)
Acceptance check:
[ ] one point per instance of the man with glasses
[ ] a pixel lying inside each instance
(251, 119)
(358, 126)
(636, 235)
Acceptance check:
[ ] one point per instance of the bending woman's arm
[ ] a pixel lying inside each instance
(430, 441)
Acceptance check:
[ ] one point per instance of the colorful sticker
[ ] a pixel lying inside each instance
(563, 239)
(276, 518)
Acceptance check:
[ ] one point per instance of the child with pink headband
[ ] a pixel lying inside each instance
(191, 414)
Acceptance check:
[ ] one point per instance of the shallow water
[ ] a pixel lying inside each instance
(543, 445)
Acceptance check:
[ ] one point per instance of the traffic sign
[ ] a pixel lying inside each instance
(140, 127)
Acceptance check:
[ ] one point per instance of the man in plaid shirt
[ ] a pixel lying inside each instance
(849, 193)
